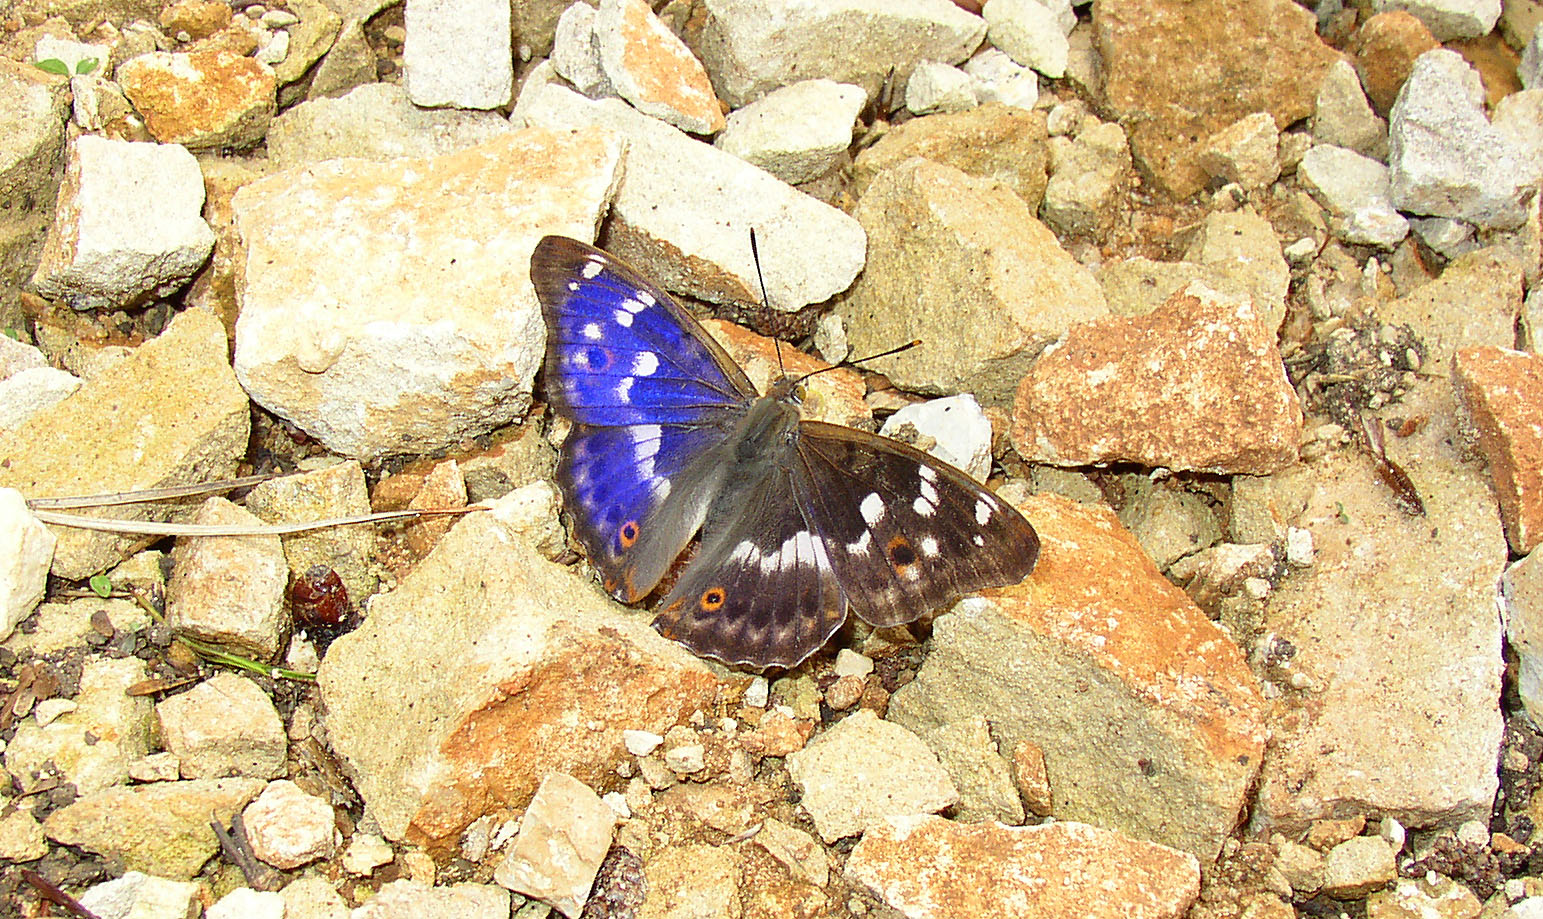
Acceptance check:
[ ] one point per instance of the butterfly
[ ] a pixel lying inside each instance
(799, 520)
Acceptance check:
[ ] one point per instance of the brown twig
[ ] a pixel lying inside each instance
(53, 894)
(233, 843)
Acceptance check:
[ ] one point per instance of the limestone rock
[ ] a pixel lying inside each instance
(229, 590)
(207, 100)
(653, 69)
(997, 142)
(1088, 175)
(289, 828)
(862, 770)
(406, 899)
(1356, 190)
(939, 87)
(528, 647)
(225, 725)
(111, 249)
(796, 133)
(564, 835)
(375, 121)
(32, 157)
(962, 264)
(138, 894)
(93, 745)
(385, 306)
(26, 551)
(1191, 732)
(1385, 49)
(1502, 392)
(458, 53)
(926, 867)
(1200, 384)
(334, 491)
(1448, 19)
(671, 181)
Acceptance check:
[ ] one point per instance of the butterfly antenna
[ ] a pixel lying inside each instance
(861, 360)
(755, 256)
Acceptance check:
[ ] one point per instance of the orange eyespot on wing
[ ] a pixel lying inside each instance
(713, 599)
(628, 534)
(901, 556)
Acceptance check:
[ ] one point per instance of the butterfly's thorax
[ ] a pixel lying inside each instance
(766, 438)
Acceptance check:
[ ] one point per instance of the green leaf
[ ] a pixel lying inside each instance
(86, 65)
(101, 585)
(53, 65)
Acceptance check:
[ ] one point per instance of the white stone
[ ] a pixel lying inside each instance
(1530, 908)
(1344, 117)
(563, 837)
(93, 745)
(958, 428)
(759, 692)
(798, 132)
(246, 903)
(1530, 70)
(1299, 546)
(999, 78)
(288, 827)
(1448, 19)
(33, 390)
(108, 248)
(641, 743)
(576, 54)
(458, 53)
(1356, 189)
(1030, 33)
(1446, 237)
(26, 551)
(850, 663)
(1446, 159)
(700, 203)
(72, 53)
(225, 725)
(938, 87)
(45, 712)
(686, 759)
(365, 853)
(136, 895)
(652, 68)
(276, 50)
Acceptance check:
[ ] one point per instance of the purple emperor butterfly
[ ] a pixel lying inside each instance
(800, 520)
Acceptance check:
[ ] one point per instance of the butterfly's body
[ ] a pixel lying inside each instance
(799, 520)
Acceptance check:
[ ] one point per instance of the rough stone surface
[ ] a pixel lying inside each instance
(1502, 392)
(671, 180)
(999, 78)
(929, 868)
(798, 132)
(161, 829)
(1028, 31)
(863, 770)
(32, 154)
(405, 899)
(458, 53)
(1245, 152)
(1385, 49)
(1474, 303)
(1396, 615)
(963, 265)
(1356, 190)
(225, 725)
(1448, 19)
(137, 894)
(576, 54)
(110, 249)
(375, 121)
(1344, 117)
(653, 69)
(563, 837)
(1200, 386)
(751, 47)
(26, 551)
(337, 490)
(385, 306)
(532, 647)
(229, 590)
(1357, 866)
(1522, 593)
(246, 903)
(21, 837)
(1088, 176)
(289, 828)
(685, 881)
(1142, 656)
(938, 87)
(1447, 160)
(206, 100)
(997, 142)
(984, 777)
(93, 745)
(1178, 72)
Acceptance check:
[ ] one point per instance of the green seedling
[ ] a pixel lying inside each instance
(101, 585)
(59, 68)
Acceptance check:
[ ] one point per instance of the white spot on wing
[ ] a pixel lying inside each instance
(923, 507)
(592, 266)
(634, 305)
(872, 508)
(928, 492)
(623, 318)
(645, 446)
(573, 286)
(929, 547)
(645, 363)
(929, 474)
(978, 539)
(746, 551)
(861, 546)
(623, 388)
(592, 331)
(982, 512)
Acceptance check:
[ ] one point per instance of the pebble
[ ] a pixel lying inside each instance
(365, 853)
(288, 827)
(640, 743)
(138, 894)
(563, 837)
(999, 78)
(758, 694)
(246, 903)
(1358, 866)
(225, 725)
(797, 133)
(1030, 34)
(458, 54)
(938, 87)
(27, 547)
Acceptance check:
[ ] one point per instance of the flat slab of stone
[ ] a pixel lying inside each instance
(507, 653)
(386, 307)
(170, 413)
(930, 868)
(1195, 384)
(458, 53)
(1502, 391)
(653, 69)
(376, 121)
(206, 100)
(1164, 732)
(1393, 637)
(684, 211)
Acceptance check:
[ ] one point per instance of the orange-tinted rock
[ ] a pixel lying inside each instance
(444, 487)
(1178, 71)
(931, 868)
(205, 101)
(198, 18)
(653, 69)
(835, 395)
(1502, 391)
(1385, 49)
(1191, 385)
(489, 667)
(1148, 715)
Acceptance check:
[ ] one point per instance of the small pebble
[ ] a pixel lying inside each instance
(1299, 547)
(617, 802)
(641, 743)
(686, 759)
(850, 663)
(47, 711)
(759, 693)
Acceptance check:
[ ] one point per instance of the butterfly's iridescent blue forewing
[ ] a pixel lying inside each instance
(800, 521)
